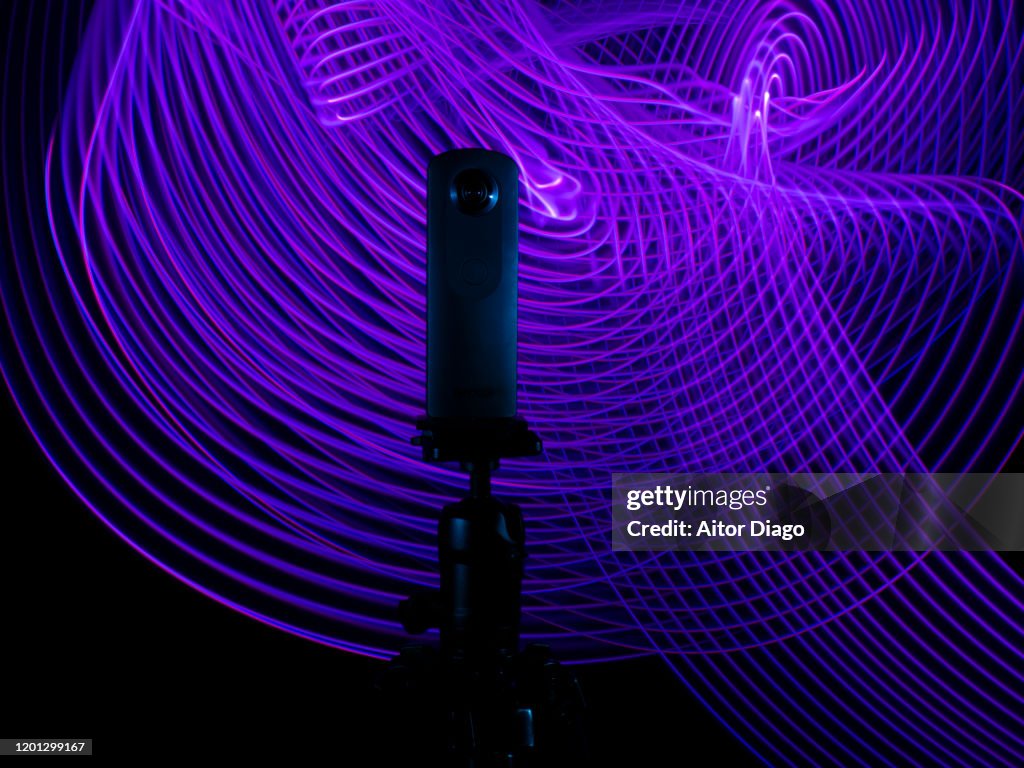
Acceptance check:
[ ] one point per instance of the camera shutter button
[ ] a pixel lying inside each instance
(474, 271)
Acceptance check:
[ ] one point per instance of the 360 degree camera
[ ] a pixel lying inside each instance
(472, 284)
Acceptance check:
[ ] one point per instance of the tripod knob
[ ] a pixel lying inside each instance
(420, 611)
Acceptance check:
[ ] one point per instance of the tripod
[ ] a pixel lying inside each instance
(491, 705)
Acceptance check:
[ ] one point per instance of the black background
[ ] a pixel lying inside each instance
(100, 643)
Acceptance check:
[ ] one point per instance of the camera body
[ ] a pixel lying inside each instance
(472, 285)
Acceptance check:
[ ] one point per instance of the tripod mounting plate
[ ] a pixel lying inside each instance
(475, 440)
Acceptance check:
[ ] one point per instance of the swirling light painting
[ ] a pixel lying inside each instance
(776, 235)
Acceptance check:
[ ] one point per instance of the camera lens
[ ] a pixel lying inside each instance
(475, 191)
